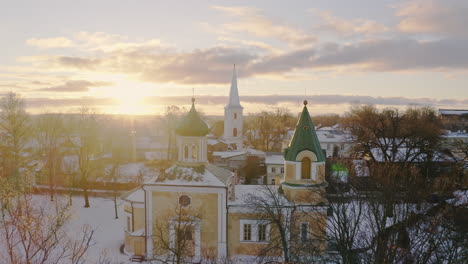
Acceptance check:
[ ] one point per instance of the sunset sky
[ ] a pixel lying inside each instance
(138, 57)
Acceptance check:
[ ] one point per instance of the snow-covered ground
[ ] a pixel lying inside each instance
(109, 234)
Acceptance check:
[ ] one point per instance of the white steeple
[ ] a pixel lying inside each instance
(234, 100)
(233, 119)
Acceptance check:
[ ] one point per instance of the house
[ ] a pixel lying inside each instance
(274, 163)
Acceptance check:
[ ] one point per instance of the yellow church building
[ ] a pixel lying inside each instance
(195, 210)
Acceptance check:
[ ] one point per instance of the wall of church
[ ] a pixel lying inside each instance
(134, 217)
(292, 172)
(238, 247)
(203, 206)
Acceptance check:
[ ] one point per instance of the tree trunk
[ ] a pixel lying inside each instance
(86, 198)
(115, 205)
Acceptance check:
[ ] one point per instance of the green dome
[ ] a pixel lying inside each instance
(192, 125)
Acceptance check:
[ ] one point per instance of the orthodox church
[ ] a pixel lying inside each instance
(200, 211)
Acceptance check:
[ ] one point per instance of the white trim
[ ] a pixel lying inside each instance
(306, 153)
(149, 222)
(254, 230)
(185, 189)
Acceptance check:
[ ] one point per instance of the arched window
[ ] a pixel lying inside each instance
(234, 132)
(305, 168)
(235, 115)
(194, 152)
(185, 152)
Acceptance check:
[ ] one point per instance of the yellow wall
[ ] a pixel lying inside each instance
(236, 247)
(203, 206)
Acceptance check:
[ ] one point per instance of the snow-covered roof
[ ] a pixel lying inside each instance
(255, 152)
(212, 141)
(204, 175)
(326, 137)
(244, 193)
(229, 154)
(459, 134)
(135, 196)
(274, 159)
(403, 153)
(453, 111)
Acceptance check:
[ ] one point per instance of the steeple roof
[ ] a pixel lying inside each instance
(305, 138)
(192, 125)
(234, 101)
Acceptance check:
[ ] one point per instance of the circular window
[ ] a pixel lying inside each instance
(184, 200)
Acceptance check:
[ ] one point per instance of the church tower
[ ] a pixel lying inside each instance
(191, 138)
(233, 119)
(304, 175)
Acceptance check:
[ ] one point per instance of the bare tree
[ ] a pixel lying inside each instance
(14, 126)
(266, 129)
(288, 241)
(119, 147)
(390, 135)
(174, 234)
(49, 134)
(88, 148)
(34, 231)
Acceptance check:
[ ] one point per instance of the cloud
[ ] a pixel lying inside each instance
(213, 65)
(330, 22)
(398, 54)
(332, 99)
(74, 86)
(252, 104)
(48, 43)
(69, 102)
(433, 16)
(249, 20)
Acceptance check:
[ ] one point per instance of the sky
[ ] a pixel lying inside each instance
(138, 57)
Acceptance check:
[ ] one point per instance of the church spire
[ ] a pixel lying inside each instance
(305, 138)
(234, 94)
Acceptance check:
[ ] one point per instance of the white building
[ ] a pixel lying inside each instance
(274, 163)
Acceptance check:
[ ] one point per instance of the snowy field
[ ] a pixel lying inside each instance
(109, 232)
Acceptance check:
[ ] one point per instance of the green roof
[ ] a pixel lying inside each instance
(304, 138)
(192, 125)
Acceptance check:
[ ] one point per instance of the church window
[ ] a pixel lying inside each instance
(305, 168)
(184, 200)
(185, 233)
(186, 152)
(254, 230)
(304, 231)
(234, 132)
(194, 152)
(262, 232)
(235, 115)
(247, 232)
